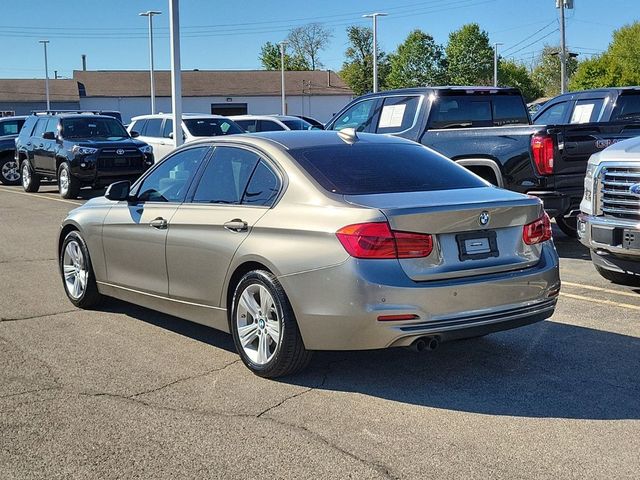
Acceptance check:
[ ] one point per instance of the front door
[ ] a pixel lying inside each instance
(135, 232)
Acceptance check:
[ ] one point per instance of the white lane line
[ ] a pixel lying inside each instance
(40, 196)
(600, 289)
(601, 302)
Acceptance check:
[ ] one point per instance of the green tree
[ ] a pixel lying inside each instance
(591, 73)
(308, 41)
(469, 56)
(419, 61)
(357, 70)
(546, 73)
(270, 59)
(513, 74)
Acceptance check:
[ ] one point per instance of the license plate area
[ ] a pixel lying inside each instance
(477, 245)
(631, 239)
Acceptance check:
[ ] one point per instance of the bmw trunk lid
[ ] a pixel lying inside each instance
(475, 231)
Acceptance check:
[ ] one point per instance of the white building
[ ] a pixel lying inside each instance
(318, 94)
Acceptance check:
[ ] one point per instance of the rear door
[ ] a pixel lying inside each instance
(236, 188)
(44, 151)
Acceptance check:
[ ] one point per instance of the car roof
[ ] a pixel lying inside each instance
(184, 116)
(266, 116)
(444, 89)
(14, 117)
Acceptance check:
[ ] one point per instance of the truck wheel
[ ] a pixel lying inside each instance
(30, 179)
(569, 226)
(68, 185)
(620, 278)
(9, 171)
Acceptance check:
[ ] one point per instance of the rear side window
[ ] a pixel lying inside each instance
(587, 111)
(168, 128)
(361, 169)
(153, 127)
(248, 125)
(464, 111)
(263, 187)
(298, 124)
(398, 114)
(509, 110)
(269, 126)
(627, 108)
(552, 115)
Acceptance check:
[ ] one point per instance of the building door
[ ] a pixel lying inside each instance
(228, 109)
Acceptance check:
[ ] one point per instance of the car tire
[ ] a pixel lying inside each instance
(76, 270)
(68, 185)
(30, 179)
(268, 342)
(620, 278)
(9, 171)
(569, 226)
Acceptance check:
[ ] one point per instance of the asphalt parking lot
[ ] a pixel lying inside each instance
(125, 392)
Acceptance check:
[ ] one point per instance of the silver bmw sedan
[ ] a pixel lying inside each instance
(302, 241)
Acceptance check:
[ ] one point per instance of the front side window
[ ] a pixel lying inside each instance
(106, 128)
(269, 126)
(168, 128)
(52, 126)
(153, 128)
(358, 116)
(248, 125)
(10, 127)
(298, 124)
(40, 127)
(586, 111)
(139, 126)
(397, 114)
(225, 178)
(170, 181)
(552, 115)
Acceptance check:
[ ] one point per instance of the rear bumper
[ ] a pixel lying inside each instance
(556, 204)
(337, 308)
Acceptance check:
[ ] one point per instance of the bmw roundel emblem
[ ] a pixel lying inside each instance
(120, 151)
(635, 189)
(484, 218)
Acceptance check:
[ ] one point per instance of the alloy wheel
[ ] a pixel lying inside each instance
(10, 171)
(26, 176)
(63, 180)
(74, 269)
(258, 324)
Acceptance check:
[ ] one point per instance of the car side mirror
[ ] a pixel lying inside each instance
(49, 136)
(134, 134)
(118, 191)
(171, 135)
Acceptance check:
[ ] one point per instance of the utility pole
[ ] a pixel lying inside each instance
(46, 72)
(176, 73)
(562, 4)
(150, 14)
(495, 63)
(284, 100)
(375, 16)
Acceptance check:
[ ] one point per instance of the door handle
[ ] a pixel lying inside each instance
(237, 225)
(41, 145)
(159, 223)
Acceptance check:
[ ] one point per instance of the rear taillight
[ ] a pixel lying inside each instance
(538, 231)
(542, 150)
(377, 240)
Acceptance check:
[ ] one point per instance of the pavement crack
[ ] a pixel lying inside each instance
(286, 399)
(33, 317)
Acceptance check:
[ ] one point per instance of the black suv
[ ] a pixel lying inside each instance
(9, 169)
(78, 149)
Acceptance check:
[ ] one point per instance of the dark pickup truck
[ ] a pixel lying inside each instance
(9, 168)
(488, 130)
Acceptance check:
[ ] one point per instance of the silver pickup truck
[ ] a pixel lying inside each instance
(610, 220)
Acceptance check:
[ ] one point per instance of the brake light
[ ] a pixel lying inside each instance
(377, 240)
(542, 150)
(538, 231)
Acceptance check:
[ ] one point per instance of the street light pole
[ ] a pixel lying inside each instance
(150, 14)
(176, 73)
(563, 52)
(495, 63)
(284, 101)
(46, 72)
(375, 16)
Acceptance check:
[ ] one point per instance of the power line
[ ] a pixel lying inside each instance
(530, 36)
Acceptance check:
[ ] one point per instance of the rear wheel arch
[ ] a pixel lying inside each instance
(486, 168)
(240, 271)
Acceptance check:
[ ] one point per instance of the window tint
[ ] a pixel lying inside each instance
(40, 127)
(509, 110)
(627, 108)
(358, 116)
(263, 187)
(170, 180)
(586, 111)
(152, 129)
(459, 112)
(93, 127)
(10, 127)
(552, 115)
(211, 127)
(52, 126)
(361, 169)
(269, 126)
(226, 176)
(398, 114)
(168, 128)
(248, 125)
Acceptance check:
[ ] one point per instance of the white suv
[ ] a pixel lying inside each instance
(157, 130)
(271, 123)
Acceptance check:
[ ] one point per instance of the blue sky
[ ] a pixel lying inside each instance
(228, 35)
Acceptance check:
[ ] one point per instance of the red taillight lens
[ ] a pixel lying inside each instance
(542, 150)
(538, 231)
(377, 240)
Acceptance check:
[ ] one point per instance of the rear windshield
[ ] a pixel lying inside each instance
(93, 127)
(299, 124)
(211, 127)
(10, 127)
(362, 169)
(462, 111)
(627, 108)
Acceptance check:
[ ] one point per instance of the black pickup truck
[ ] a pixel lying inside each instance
(489, 131)
(9, 168)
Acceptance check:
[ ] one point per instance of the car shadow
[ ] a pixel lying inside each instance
(569, 247)
(548, 369)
